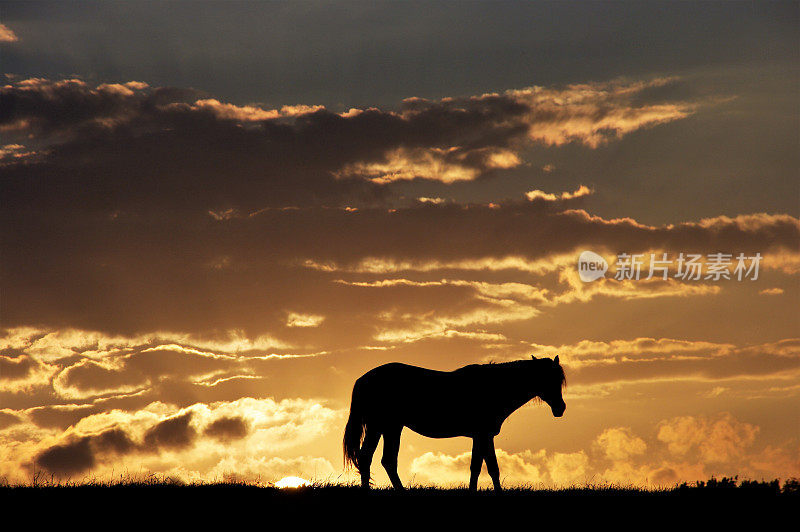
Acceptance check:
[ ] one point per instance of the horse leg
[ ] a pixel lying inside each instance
(476, 463)
(371, 437)
(491, 463)
(391, 448)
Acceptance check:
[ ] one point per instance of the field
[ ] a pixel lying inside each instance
(703, 501)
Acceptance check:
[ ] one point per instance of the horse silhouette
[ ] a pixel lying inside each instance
(472, 401)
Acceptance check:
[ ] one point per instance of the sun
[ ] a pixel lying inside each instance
(292, 482)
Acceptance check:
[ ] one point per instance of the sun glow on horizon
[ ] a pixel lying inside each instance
(292, 482)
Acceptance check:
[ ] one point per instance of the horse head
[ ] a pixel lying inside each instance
(551, 386)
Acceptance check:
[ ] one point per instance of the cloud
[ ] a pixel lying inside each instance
(493, 303)
(86, 365)
(303, 320)
(53, 345)
(249, 113)
(593, 363)
(172, 433)
(408, 327)
(718, 439)
(690, 448)
(682, 449)
(771, 292)
(297, 155)
(534, 195)
(450, 236)
(7, 35)
(227, 428)
(59, 416)
(526, 467)
(88, 378)
(79, 454)
(595, 113)
(20, 372)
(190, 142)
(199, 442)
(11, 153)
(8, 419)
(406, 274)
(113, 440)
(435, 164)
(194, 253)
(67, 459)
(619, 443)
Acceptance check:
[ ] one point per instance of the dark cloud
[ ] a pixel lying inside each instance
(113, 147)
(69, 109)
(130, 148)
(8, 419)
(61, 416)
(227, 428)
(172, 433)
(17, 366)
(202, 275)
(140, 368)
(178, 206)
(90, 375)
(79, 455)
(68, 458)
(740, 364)
(114, 440)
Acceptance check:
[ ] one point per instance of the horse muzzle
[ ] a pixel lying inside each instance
(559, 411)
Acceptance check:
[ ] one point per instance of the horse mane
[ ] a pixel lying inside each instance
(520, 364)
(563, 376)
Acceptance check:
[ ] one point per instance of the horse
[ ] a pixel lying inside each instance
(472, 401)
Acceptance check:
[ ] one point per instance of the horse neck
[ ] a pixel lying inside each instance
(513, 390)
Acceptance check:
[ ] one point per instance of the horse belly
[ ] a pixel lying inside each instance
(440, 421)
(431, 403)
(437, 431)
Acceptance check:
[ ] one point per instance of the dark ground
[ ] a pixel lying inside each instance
(133, 505)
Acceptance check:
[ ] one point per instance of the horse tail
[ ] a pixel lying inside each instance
(355, 428)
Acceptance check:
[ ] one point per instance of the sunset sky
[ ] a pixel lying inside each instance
(214, 217)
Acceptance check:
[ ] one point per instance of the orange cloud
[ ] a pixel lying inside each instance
(593, 365)
(7, 35)
(295, 319)
(251, 113)
(199, 442)
(685, 449)
(526, 467)
(447, 165)
(594, 113)
(534, 195)
(619, 443)
(717, 439)
(771, 292)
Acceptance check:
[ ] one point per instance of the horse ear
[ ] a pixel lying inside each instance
(555, 360)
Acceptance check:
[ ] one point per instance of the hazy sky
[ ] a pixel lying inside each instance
(216, 216)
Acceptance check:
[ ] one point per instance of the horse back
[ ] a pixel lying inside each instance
(433, 403)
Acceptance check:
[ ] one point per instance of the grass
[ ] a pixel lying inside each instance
(722, 486)
(157, 500)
